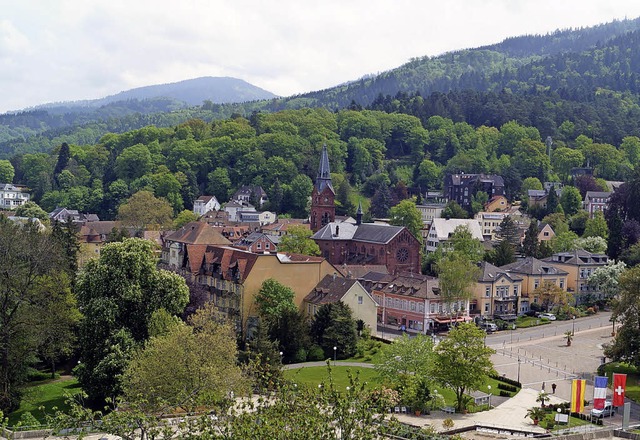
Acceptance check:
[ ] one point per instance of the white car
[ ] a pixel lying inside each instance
(607, 411)
(549, 316)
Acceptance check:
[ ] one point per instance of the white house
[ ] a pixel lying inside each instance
(12, 196)
(204, 204)
(262, 217)
(442, 229)
(234, 208)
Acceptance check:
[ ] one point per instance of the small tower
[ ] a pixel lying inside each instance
(359, 213)
(323, 210)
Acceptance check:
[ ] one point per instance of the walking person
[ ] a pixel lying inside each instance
(553, 388)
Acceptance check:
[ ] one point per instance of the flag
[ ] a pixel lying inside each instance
(619, 386)
(577, 395)
(599, 391)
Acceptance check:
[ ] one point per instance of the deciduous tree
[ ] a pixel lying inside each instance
(298, 241)
(463, 361)
(143, 210)
(118, 293)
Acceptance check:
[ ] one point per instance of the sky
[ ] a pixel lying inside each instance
(64, 50)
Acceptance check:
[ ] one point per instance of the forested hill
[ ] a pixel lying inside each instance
(586, 76)
(84, 122)
(190, 92)
(488, 68)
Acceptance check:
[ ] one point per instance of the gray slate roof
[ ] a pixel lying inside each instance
(533, 266)
(365, 232)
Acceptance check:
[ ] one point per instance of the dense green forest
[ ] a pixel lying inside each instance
(379, 155)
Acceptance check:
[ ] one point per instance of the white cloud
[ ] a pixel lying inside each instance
(80, 49)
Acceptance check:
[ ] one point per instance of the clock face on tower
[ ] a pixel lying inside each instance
(402, 255)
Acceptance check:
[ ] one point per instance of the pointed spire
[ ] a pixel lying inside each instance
(324, 173)
(359, 213)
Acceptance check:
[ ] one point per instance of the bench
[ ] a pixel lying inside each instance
(449, 409)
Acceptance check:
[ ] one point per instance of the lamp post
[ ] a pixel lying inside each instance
(281, 353)
(334, 353)
(489, 388)
(519, 370)
(573, 325)
(513, 327)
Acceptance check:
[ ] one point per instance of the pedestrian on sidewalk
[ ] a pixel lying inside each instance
(543, 387)
(553, 388)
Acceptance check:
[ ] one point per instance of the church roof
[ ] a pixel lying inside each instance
(365, 232)
(324, 173)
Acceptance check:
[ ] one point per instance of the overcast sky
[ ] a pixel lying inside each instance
(62, 50)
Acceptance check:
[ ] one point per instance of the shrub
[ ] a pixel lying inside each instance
(300, 356)
(505, 393)
(506, 387)
(315, 353)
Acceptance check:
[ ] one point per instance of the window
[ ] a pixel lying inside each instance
(536, 283)
(258, 245)
(515, 290)
(487, 291)
(562, 284)
(360, 299)
(486, 308)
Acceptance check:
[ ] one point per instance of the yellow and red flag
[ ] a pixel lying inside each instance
(577, 395)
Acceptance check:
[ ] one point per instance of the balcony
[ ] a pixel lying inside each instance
(505, 298)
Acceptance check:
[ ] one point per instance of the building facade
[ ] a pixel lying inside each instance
(13, 196)
(579, 265)
(204, 204)
(497, 294)
(323, 209)
(462, 187)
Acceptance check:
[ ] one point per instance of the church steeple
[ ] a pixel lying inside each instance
(323, 210)
(323, 179)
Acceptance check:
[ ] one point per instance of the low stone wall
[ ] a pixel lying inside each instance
(590, 435)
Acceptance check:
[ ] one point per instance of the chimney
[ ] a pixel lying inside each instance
(335, 276)
(337, 231)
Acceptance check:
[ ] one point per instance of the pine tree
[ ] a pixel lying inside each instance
(530, 245)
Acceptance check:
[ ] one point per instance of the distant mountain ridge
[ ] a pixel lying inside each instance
(218, 90)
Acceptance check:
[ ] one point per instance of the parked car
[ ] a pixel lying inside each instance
(489, 327)
(549, 316)
(608, 411)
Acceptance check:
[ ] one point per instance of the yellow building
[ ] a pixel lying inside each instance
(497, 294)
(534, 274)
(334, 288)
(232, 277)
(579, 265)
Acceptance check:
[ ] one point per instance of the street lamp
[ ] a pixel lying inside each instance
(489, 388)
(513, 327)
(334, 353)
(281, 353)
(519, 371)
(573, 327)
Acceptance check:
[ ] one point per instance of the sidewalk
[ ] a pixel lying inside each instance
(510, 415)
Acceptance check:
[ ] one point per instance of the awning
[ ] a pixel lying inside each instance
(447, 320)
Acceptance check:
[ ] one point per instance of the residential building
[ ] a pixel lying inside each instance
(462, 187)
(258, 242)
(497, 203)
(490, 223)
(250, 193)
(92, 237)
(534, 274)
(580, 265)
(233, 209)
(537, 197)
(12, 196)
(595, 201)
(174, 253)
(429, 211)
(204, 204)
(233, 277)
(441, 230)
(546, 232)
(261, 217)
(63, 215)
(413, 303)
(333, 288)
(281, 226)
(497, 294)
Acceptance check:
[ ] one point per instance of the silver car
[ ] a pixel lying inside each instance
(608, 411)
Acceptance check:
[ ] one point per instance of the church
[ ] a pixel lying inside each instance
(349, 243)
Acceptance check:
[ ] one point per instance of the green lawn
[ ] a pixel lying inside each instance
(530, 321)
(313, 376)
(46, 394)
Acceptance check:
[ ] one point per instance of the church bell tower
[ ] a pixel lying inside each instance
(323, 210)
